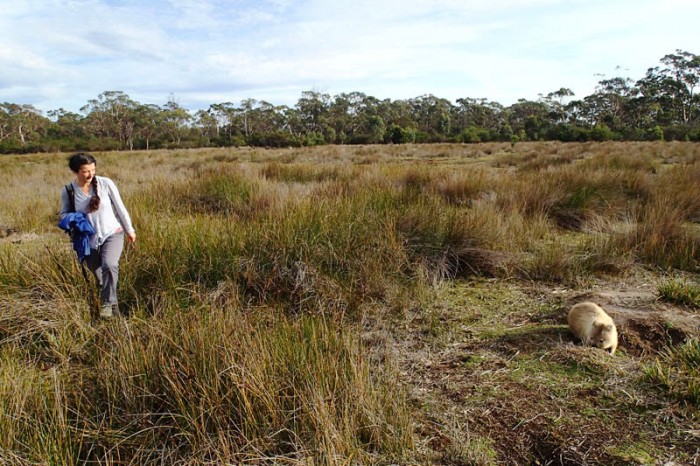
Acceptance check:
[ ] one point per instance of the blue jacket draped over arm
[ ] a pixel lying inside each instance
(80, 229)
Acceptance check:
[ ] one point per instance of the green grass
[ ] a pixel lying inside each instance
(680, 292)
(633, 453)
(677, 372)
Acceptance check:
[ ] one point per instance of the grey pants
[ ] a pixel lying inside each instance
(104, 263)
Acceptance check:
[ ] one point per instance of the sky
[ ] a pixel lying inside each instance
(62, 53)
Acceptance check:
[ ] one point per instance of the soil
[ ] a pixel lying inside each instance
(645, 324)
(514, 387)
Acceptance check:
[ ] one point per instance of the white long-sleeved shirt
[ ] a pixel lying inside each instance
(110, 218)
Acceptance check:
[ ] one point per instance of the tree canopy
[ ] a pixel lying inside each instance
(663, 104)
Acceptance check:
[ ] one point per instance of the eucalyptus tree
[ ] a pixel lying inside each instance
(529, 119)
(346, 115)
(293, 122)
(260, 123)
(207, 126)
(432, 115)
(148, 123)
(397, 112)
(672, 89)
(610, 102)
(22, 124)
(245, 111)
(112, 115)
(478, 113)
(270, 118)
(375, 129)
(260, 117)
(227, 118)
(5, 132)
(276, 126)
(556, 102)
(358, 118)
(313, 110)
(176, 120)
(339, 116)
(65, 124)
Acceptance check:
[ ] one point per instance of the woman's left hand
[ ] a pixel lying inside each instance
(131, 237)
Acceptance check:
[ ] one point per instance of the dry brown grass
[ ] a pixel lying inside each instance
(257, 269)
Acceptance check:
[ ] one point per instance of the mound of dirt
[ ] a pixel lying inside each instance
(645, 325)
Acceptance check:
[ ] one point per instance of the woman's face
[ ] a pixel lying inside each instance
(86, 173)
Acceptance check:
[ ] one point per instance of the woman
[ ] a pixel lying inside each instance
(98, 198)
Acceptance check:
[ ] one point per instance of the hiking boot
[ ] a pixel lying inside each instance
(106, 311)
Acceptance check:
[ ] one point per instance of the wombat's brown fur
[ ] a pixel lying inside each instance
(593, 326)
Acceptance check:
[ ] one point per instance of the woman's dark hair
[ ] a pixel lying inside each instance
(79, 159)
(76, 161)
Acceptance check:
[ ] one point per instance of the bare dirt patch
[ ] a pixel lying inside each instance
(496, 377)
(645, 324)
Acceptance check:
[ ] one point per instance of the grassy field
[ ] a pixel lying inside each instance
(359, 305)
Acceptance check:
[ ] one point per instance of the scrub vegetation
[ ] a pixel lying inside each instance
(398, 304)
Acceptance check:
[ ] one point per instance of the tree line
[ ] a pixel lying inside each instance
(662, 105)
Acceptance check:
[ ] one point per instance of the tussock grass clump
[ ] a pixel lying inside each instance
(315, 251)
(218, 192)
(35, 425)
(29, 190)
(571, 196)
(629, 162)
(223, 195)
(680, 292)
(535, 157)
(341, 246)
(661, 237)
(44, 272)
(554, 261)
(529, 194)
(177, 254)
(449, 242)
(230, 386)
(303, 173)
(464, 187)
(680, 185)
(48, 330)
(678, 372)
(209, 384)
(415, 178)
(534, 162)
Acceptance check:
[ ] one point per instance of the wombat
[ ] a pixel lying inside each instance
(593, 326)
